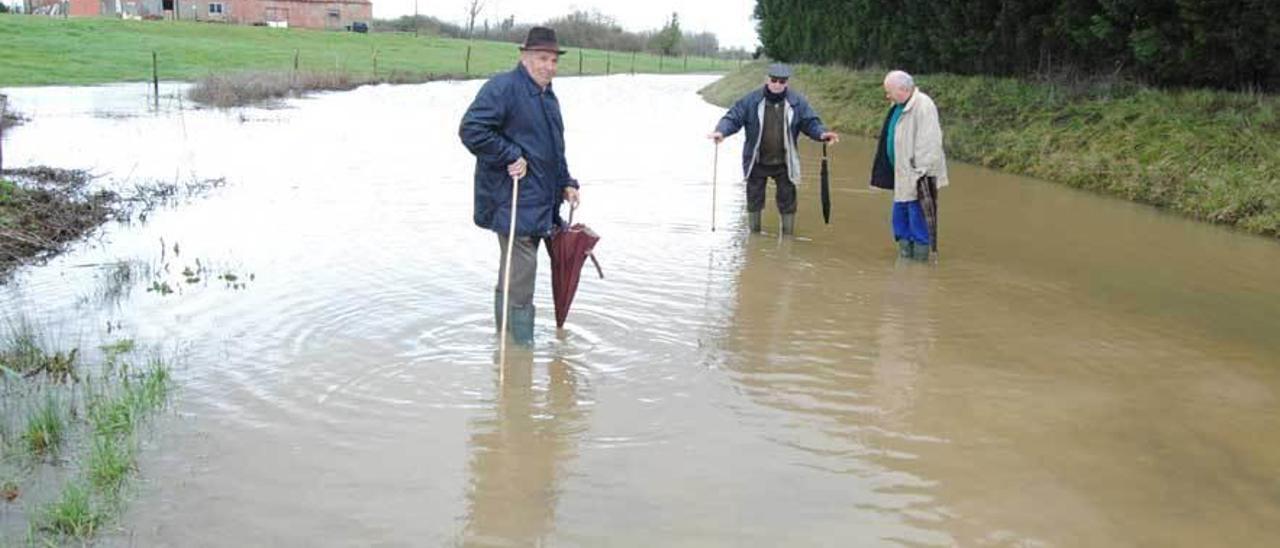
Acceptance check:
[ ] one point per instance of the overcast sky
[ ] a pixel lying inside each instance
(730, 20)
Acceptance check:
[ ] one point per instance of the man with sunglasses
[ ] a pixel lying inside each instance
(774, 117)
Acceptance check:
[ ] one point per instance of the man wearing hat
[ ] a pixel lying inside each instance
(514, 129)
(774, 117)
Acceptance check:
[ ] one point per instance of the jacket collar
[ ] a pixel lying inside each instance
(911, 101)
(531, 86)
(790, 98)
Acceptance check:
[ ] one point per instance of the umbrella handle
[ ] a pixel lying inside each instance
(592, 256)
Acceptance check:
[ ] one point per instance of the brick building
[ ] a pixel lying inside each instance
(311, 14)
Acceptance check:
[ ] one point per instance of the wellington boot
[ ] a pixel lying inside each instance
(788, 224)
(904, 248)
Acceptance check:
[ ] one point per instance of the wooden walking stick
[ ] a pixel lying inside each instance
(506, 277)
(715, 170)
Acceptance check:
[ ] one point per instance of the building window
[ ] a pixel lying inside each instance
(215, 8)
(333, 14)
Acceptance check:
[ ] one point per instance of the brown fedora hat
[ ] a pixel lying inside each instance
(542, 39)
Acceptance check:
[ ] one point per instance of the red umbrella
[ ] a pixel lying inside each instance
(569, 249)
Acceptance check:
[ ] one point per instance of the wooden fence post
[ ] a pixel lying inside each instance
(155, 77)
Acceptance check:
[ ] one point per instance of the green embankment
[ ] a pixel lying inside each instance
(51, 51)
(1210, 155)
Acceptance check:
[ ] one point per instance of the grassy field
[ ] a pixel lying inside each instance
(48, 51)
(1211, 155)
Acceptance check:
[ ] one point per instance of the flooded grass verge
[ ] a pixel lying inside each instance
(69, 432)
(264, 87)
(1210, 155)
(44, 209)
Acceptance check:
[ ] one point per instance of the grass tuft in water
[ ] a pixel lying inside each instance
(111, 460)
(23, 353)
(46, 426)
(74, 514)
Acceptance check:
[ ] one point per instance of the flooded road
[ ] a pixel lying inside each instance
(1074, 371)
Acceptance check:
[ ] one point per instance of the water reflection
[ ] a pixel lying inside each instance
(520, 450)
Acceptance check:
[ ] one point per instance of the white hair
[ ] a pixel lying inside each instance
(900, 79)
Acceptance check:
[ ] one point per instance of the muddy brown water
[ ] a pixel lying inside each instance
(1074, 370)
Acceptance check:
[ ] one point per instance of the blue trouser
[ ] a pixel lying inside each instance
(909, 222)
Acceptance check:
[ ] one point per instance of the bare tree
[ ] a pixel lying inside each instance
(473, 10)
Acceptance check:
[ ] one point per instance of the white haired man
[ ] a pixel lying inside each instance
(909, 161)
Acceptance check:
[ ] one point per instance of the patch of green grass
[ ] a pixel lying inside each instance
(118, 412)
(96, 50)
(111, 460)
(91, 422)
(1210, 155)
(8, 190)
(46, 426)
(74, 514)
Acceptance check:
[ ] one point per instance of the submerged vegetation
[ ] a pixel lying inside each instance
(43, 209)
(68, 436)
(255, 87)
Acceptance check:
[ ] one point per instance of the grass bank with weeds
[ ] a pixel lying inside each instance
(69, 433)
(1210, 155)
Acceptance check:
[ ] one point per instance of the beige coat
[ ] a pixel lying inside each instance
(917, 147)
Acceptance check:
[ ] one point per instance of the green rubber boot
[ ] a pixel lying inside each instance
(788, 224)
(522, 324)
(904, 249)
(753, 219)
(920, 252)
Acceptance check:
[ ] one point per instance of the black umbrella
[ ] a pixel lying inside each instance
(927, 192)
(826, 187)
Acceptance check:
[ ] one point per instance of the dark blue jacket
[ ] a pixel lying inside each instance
(509, 118)
(747, 113)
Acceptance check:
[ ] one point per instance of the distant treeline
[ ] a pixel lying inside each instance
(579, 29)
(1213, 43)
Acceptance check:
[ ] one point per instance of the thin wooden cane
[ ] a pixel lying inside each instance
(506, 279)
(715, 170)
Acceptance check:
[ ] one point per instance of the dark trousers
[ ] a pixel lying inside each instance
(524, 268)
(785, 196)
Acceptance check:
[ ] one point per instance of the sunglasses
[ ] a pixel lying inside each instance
(778, 80)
